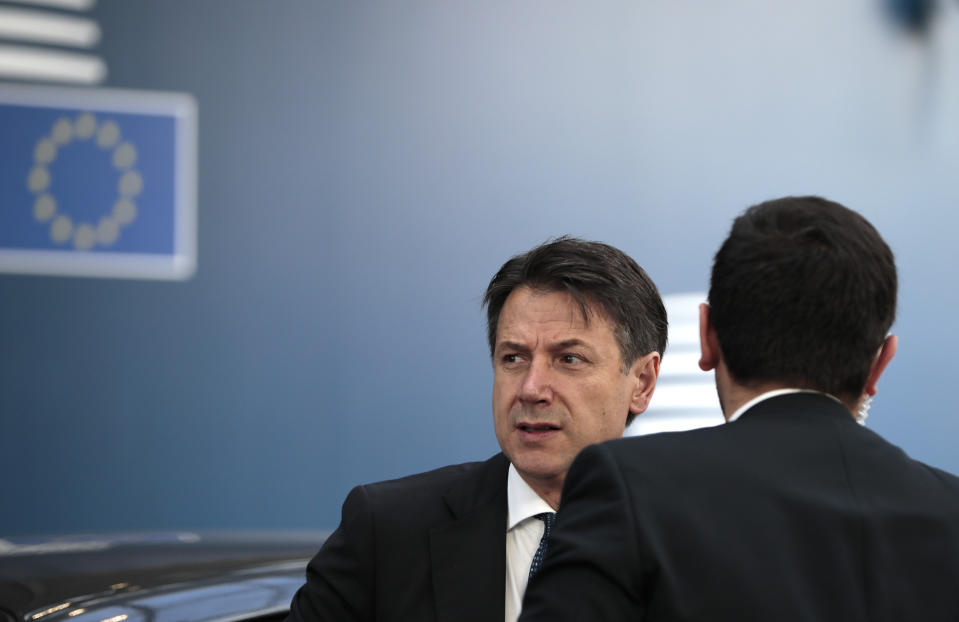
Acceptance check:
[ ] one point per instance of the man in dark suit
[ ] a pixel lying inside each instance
(791, 510)
(576, 330)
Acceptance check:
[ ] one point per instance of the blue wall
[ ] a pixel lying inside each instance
(365, 167)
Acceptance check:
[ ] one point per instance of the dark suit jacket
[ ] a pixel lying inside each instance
(426, 547)
(792, 512)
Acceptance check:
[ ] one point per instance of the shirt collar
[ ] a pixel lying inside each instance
(769, 394)
(522, 501)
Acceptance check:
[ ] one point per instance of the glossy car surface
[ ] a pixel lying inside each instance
(175, 577)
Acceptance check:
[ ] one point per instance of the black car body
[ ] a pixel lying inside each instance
(167, 577)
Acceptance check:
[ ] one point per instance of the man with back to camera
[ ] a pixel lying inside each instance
(576, 332)
(790, 511)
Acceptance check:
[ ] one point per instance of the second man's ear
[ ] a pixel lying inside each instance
(886, 351)
(708, 342)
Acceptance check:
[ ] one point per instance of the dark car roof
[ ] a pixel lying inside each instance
(152, 577)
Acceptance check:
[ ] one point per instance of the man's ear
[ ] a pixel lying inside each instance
(886, 351)
(710, 353)
(645, 371)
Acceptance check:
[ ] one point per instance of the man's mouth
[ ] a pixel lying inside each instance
(537, 427)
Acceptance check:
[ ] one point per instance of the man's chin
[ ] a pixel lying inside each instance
(531, 468)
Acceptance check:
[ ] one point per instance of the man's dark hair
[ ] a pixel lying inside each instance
(803, 292)
(598, 277)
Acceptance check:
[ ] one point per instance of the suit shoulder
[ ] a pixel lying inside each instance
(429, 486)
(438, 476)
(664, 441)
(944, 478)
(669, 457)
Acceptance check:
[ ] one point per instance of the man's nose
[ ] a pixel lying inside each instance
(536, 386)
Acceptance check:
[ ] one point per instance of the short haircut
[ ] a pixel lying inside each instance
(803, 292)
(598, 277)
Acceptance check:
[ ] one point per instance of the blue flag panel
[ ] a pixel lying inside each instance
(97, 182)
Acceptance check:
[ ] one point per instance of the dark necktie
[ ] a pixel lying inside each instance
(548, 519)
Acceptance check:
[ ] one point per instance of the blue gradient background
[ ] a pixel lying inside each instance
(364, 168)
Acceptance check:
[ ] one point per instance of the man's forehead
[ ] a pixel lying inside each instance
(558, 313)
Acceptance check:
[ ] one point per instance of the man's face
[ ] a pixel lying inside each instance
(558, 383)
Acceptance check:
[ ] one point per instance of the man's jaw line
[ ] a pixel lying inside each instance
(548, 487)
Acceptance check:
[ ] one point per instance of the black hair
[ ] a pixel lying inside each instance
(803, 292)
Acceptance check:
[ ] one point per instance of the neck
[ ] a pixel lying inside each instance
(732, 394)
(549, 490)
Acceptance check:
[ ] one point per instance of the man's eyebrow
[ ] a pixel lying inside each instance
(554, 347)
(511, 345)
(569, 343)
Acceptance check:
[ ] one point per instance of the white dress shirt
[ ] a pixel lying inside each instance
(523, 533)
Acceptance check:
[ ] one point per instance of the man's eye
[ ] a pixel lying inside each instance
(571, 359)
(511, 358)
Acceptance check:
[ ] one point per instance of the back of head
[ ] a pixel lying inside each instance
(600, 278)
(803, 292)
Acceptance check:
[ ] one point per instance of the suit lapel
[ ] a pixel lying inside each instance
(468, 554)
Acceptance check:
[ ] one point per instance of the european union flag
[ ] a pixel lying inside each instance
(97, 182)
